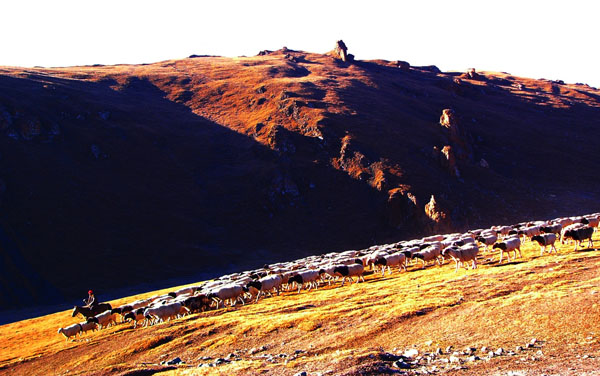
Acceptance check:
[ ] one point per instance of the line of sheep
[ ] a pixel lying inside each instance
(313, 271)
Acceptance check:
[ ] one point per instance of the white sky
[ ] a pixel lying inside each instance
(531, 38)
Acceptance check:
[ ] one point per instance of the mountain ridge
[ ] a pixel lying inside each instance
(187, 166)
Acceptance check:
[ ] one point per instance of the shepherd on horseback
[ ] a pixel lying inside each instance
(91, 308)
(90, 301)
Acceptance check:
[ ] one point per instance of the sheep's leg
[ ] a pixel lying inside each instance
(456, 269)
(361, 278)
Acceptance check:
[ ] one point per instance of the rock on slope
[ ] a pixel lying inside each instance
(114, 176)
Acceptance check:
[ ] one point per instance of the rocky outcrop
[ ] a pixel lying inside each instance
(472, 75)
(403, 65)
(402, 208)
(447, 159)
(341, 51)
(439, 216)
(457, 136)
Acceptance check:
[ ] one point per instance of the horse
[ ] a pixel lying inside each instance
(90, 312)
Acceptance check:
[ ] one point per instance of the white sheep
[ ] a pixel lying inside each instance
(231, 293)
(349, 271)
(487, 239)
(431, 253)
(305, 277)
(265, 285)
(463, 255)
(70, 331)
(387, 261)
(165, 312)
(509, 245)
(87, 326)
(545, 240)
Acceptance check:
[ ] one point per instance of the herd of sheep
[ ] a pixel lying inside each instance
(313, 271)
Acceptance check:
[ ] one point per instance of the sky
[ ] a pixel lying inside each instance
(550, 39)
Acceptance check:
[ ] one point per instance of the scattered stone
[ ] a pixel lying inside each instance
(429, 343)
(540, 353)
(473, 358)
(303, 373)
(499, 351)
(529, 345)
(518, 349)
(172, 362)
(411, 353)
(298, 352)
(206, 358)
(484, 349)
(438, 351)
(533, 341)
(491, 354)
(401, 364)
(455, 359)
(221, 361)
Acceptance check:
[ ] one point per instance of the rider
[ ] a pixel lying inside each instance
(91, 300)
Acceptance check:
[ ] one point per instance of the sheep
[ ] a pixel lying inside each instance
(391, 260)
(164, 312)
(349, 271)
(136, 316)
(70, 331)
(199, 302)
(462, 255)
(487, 239)
(544, 240)
(530, 232)
(431, 253)
(308, 277)
(509, 245)
(553, 228)
(231, 293)
(501, 230)
(265, 284)
(591, 221)
(105, 319)
(87, 326)
(580, 234)
(568, 228)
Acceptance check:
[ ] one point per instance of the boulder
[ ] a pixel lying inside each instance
(403, 65)
(473, 75)
(439, 217)
(341, 51)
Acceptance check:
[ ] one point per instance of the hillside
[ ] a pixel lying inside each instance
(541, 310)
(121, 177)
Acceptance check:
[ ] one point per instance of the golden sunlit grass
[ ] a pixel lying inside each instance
(552, 297)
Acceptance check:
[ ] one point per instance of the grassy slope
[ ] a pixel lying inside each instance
(552, 298)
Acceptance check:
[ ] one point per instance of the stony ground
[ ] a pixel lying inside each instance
(536, 315)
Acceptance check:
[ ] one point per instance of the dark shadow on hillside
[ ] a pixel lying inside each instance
(541, 158)
(136, 191)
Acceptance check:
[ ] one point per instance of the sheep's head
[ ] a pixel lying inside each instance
(501, 246)
(93, 319)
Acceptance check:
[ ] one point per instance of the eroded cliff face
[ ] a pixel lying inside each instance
(213, 164)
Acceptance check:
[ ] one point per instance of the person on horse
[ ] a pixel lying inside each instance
(91, 300)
